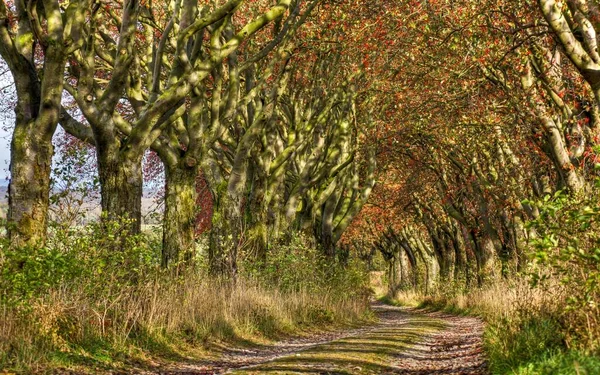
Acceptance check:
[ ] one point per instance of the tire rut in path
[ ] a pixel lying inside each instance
(404, 341)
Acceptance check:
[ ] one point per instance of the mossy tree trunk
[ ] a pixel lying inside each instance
(121, 184)
(485, 256)
(261, 224)
(29, 188)
(225, 237)
(38, 105)
(179, 221)
(217, 131)
(460, 267)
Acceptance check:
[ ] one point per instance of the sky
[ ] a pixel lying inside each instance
(5, 134)
(7, 118)
(4, 154)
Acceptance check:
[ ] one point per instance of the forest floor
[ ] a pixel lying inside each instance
(403, 341)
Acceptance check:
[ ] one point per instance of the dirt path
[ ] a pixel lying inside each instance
(404, 341)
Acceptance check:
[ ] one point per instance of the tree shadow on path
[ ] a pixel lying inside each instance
(406, 342)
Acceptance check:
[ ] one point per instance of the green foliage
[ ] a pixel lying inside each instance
(74, 185)
(94, 294)
(512, 344)
(567, 247)
(97, 255)
(297, 266)
(532, 346)
(559, 362)
(29, 272)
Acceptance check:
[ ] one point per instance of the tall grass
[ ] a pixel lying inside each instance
(81, 301)
(194, 310)
(527, 327)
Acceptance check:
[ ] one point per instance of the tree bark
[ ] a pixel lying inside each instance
(121, 181)
(485, 255)
(37, 112)
(565, 168)
(29, 188)
(326, 236)
(460, 254)
(179, 222)
(225, 235)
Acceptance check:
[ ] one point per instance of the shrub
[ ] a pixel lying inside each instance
(567, 248)
(297, 266)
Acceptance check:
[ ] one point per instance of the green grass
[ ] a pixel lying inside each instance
(72, 304)
(569, 362)
(534, 346)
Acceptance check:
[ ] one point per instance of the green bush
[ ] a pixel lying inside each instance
(95, 293)
(29, 272)
(297, 266)
(554, 362)
(511, 345)
(567, 248)
(98, 255)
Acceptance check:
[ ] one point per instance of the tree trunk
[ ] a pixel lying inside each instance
(460, 264)
(412, 262)
(449, 257)
(121, 182)
(258, 222)
(325, 236)
(225, 235)
(565, 168)
(29, 188)
(485, 254)
(179, 222)
(39, 93)
(394, 277)
(405, 280)
(521, 241)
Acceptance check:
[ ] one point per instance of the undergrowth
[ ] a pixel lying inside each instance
(96, 297)
(526, 326)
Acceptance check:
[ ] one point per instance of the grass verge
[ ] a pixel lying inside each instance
(95, 299)
(160, 321)
(524, 332)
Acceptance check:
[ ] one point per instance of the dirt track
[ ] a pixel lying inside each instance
(404, 341)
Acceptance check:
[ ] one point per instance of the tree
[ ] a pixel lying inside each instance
(215, 135)
(35, 39)
(121, 84)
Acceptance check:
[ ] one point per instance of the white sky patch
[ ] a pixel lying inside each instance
(7, 119)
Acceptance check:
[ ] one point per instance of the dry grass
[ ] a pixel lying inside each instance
(528, 328)
(167, 311)
(505, 298)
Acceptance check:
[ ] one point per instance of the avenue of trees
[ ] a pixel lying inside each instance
(487, 146)
(498, 111)
(453, 144)
(465, 112)
(232, 92)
